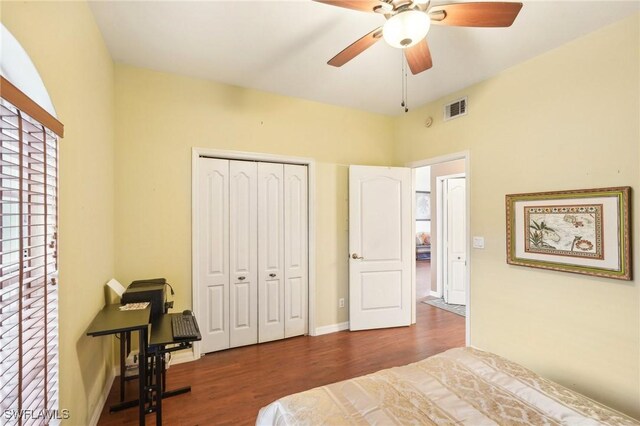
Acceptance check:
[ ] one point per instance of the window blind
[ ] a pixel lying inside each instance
(28, 268)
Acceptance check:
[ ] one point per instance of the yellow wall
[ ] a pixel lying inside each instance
(567, 119)
(160, 117)
(66, 47)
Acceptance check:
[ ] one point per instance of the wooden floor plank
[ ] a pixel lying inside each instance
(229, 387)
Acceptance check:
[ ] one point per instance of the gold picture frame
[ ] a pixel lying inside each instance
(583, 231)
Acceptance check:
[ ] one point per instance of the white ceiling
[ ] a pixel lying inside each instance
(283, 46)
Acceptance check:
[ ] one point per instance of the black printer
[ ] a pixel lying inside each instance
(150, 290)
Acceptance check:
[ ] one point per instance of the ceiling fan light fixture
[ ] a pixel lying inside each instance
(406, 28)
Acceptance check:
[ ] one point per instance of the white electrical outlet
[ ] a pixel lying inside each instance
(341, 303)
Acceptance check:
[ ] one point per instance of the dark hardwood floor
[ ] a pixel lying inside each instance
(229, 387)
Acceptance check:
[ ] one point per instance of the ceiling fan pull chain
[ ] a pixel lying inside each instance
(401, 84)
(406, 91)
(403, 69)
(402, 104)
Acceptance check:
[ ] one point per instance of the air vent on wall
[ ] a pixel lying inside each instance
(455, 109)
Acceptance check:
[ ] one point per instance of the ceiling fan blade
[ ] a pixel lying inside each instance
(356, 48)
(363, 5)
(485, 14)
(419, 57)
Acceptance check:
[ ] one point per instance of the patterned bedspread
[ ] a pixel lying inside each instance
(461, 386)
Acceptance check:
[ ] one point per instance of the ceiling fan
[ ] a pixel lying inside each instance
(408, 22)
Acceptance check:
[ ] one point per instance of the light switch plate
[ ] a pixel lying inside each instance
(478, 242)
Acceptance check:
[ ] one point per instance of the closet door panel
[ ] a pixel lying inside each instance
(270, 252)
(213, 263)
(295, 249)
(243, 253)
(273, 316)
(217, 322)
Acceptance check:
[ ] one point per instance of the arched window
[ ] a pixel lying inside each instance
(28, 245)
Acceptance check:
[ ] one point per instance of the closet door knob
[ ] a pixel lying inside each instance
(241, 278)
(272, 275)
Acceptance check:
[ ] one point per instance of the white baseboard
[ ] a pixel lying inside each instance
(181, 357)
(434, 294)
(97, 410)
(326, 329)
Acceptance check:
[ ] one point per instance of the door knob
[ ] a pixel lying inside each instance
(272, 275)
(355, 256)
(241, 278)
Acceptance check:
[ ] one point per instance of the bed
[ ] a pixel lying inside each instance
(460, 386)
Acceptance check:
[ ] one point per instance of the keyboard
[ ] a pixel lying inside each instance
(184, 327)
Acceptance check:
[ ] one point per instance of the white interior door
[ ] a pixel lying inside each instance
(380, 247)
(295, 250)
(270, 252)
(213, 263)
(456, 241)
(243, 253)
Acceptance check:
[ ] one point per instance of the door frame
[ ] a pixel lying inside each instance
(462, 155)
(196, 153)
(440, 231)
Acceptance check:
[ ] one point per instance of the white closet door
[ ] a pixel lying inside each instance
(243, 253)
(213, 263)
(295, 250)
(456, 277)
(270, 252)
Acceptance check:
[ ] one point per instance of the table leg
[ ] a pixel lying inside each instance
(142, 375)
(122, 364)
(164, 374)
(159, 384)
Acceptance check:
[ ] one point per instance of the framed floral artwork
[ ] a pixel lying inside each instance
(581, 231)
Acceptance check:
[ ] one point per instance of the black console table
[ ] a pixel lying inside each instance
(154, 344)
(111, 320)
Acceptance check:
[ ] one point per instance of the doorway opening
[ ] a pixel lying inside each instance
(423, 233)
(441, 225)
